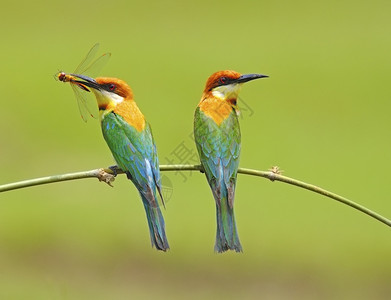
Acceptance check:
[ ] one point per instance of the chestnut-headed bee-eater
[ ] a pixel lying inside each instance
(217, 137)
(130, 140)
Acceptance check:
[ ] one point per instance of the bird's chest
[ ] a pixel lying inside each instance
(217, 110)
(131, 114)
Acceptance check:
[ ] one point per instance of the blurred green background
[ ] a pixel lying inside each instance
(322, 116)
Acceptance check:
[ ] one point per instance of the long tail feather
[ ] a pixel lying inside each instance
(156, 226)
(227, 237)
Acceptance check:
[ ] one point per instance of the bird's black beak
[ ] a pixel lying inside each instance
(87, 81)
(249, 77)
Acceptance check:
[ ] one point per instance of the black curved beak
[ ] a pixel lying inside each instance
(87, 81)
(248, 77)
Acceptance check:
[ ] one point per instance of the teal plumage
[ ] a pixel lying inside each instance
(219, 150)
(135, 152)
(217, 137)
(130, 140)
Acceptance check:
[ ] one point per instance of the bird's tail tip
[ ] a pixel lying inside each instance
(156, 228)
(161, 247)
(160, 242)
(223, 246)
(227, 237)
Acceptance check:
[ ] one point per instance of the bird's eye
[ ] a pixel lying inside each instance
(111, 87)
(223, 80)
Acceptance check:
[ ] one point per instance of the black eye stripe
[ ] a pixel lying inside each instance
(110, 87)
(223, 81)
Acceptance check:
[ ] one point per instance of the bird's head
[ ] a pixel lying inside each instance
(226, 85)
(108, 91)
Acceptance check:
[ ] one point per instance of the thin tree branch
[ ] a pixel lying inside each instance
(108, 176)
(101, 174)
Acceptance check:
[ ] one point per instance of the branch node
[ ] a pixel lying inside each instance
(105, 177)
(275, 170)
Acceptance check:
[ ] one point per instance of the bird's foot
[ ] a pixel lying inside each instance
(115, 169)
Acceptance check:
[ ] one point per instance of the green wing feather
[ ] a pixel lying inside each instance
(219, 149)
(135, 153)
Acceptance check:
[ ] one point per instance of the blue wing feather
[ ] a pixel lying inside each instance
(135, 153)
(218, 146)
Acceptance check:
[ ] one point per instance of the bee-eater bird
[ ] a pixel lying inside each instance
(217, 137)
(130, 140)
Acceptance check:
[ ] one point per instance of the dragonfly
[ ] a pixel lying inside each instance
(87, 105)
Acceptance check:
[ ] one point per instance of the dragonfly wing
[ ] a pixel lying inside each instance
(87, 105)
(90, 67)
(94, 69)
(87, 60)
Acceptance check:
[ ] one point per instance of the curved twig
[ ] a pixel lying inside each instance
(107, 176)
